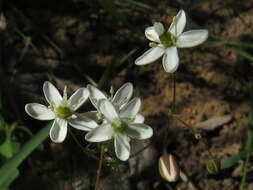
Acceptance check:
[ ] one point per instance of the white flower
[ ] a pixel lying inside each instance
(120, 126)
(120, 98)
(62, 110)
(165, 43)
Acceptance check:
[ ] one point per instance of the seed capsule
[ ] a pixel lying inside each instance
(168, 168)
(213, 165)
(3, 23)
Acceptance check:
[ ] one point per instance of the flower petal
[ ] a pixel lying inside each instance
(51, 93)
(150, 56)
(151, 34)
(78, 98)
(102, 133)
(138, 119)
(178, 24)
(83, 123)
(131, 109)
(39, 111)
(108, 110)
(58, 131)
(159, 28)
(122, 146)
(192, 38)
(92, 115)
(139, 131)
(123, 94)
(95, 95)
(170, 60)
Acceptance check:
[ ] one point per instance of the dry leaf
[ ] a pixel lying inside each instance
(214, 122)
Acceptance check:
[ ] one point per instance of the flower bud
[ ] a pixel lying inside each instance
(168, 168)
(3, 23)
(197, 135)
(213, 165)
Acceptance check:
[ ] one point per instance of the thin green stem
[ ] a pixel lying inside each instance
(141, 150)
(139, 4)
(248, 149)
(233, 43)
(174, 94)
(99, 168)
(245, 172)
(27, 41)
(86, 151)
(24, 129)
(243, 53)
(173, 111)
(194, 131)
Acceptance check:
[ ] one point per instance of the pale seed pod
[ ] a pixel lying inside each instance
(168, 168)
(3, 23)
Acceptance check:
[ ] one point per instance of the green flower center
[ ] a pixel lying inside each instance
(167, 39)
(63, 112)
(119, 126)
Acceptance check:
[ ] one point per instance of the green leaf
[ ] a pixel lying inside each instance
(2, 122)
(251, 117)
(244, 54)
(140, 4)
(16, 146)
(230, 161)
(6, 149)
(218, 41)
(248, 151)
(109, 6)
(105, 76)
(10, 166)
(13, 175)
(24, 129)
(3, 136)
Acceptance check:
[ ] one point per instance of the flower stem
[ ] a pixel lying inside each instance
(173, 111)
(85, 150)
(248, 149)
(174, 93)
(99, 168)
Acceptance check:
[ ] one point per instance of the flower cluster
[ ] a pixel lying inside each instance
(116, 117)
(120, 119)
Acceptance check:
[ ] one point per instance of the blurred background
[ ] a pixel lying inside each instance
(78, 42)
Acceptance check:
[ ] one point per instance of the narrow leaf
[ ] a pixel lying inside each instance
(13, 175)
(10, 166)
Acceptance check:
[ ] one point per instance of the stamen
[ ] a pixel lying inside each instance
(65, 95)
(73, 116)
(111, 91)
(152, 44)
(167, 39)
(119, 126)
